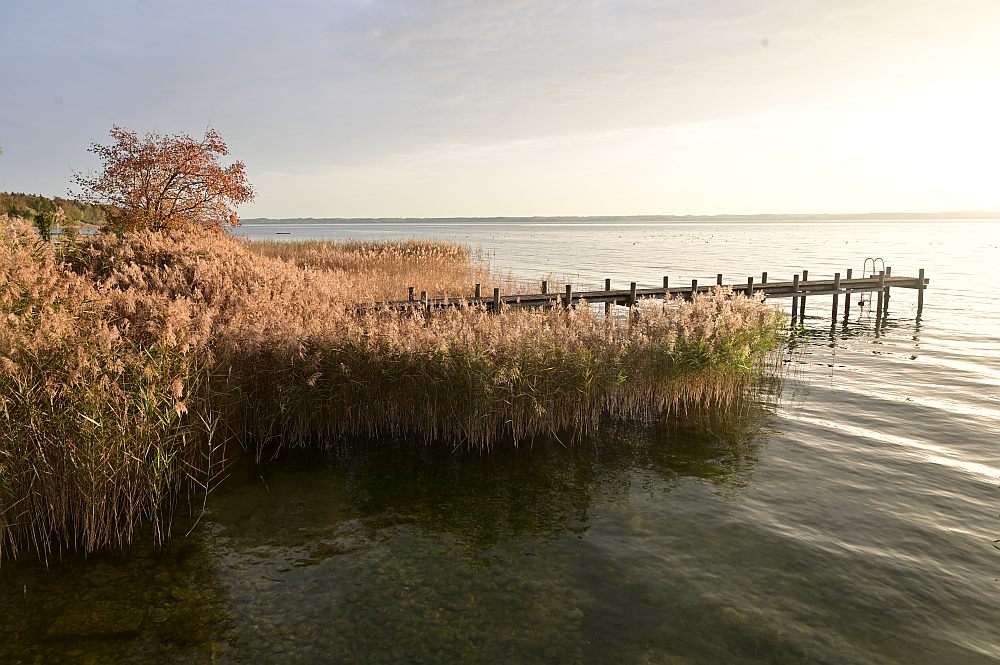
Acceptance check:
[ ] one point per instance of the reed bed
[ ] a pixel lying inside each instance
(129, 364)
(99, 429)
(382, 271)
(471, 377)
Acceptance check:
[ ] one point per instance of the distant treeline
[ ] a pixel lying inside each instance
(805, 217)
(27, 206)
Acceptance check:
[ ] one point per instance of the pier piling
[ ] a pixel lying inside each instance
(836, 288)
(802, 301)
(795, 297)
(920, 293)
(847, 296)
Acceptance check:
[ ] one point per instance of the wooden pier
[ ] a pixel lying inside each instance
(799, 289)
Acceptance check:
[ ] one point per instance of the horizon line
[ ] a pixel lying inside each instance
(985, 215)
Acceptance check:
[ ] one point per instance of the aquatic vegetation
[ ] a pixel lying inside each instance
(384, 270)
(99, 429)
(129, 363)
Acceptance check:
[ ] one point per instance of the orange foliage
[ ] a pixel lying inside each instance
(162, 182)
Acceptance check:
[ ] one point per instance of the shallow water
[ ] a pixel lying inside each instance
(847, 515)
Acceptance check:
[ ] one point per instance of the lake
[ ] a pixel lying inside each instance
(847, 513)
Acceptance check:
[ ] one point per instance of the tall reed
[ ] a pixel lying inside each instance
(99, 429)
(382, 270)
(129, 362)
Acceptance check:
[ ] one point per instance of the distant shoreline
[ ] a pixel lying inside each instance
(814, 217)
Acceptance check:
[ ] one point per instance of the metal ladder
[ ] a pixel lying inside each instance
(871, 269)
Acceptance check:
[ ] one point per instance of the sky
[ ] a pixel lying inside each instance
(362, 108)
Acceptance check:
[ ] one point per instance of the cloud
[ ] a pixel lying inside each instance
(313, 87)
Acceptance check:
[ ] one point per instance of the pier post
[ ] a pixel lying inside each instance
(631, 295)
(847, 297)
(749, 286)
(545, 287)
(694, 288)
(795, 297)
(569, 296)
(496, 299)
(881, 299)
(763, 278)
(666, 289)
(718, 279)
(836, 287)
(607, 305)
(920, 293)
(802, 303)
(479, 291)
(410, 297)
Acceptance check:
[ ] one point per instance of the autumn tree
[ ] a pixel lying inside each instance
(164, 182)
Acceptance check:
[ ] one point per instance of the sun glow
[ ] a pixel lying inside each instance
(948, 140)
(932, 149)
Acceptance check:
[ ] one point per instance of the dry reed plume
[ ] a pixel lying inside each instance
(127, 363)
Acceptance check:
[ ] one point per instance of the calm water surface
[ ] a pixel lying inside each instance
(847, 514)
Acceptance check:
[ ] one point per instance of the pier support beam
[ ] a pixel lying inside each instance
(920, 293)
(881, 300)
(802, 303)
(847, 297)
(795, 297)
(836, 287)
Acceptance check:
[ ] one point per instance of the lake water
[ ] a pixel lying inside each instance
(848, 514)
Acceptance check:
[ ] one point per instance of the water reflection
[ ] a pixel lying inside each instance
(478, 499)
(324, 555)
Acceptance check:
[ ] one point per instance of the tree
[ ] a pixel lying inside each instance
(164, 182)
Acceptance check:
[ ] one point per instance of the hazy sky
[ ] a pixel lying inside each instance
(428, 108)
